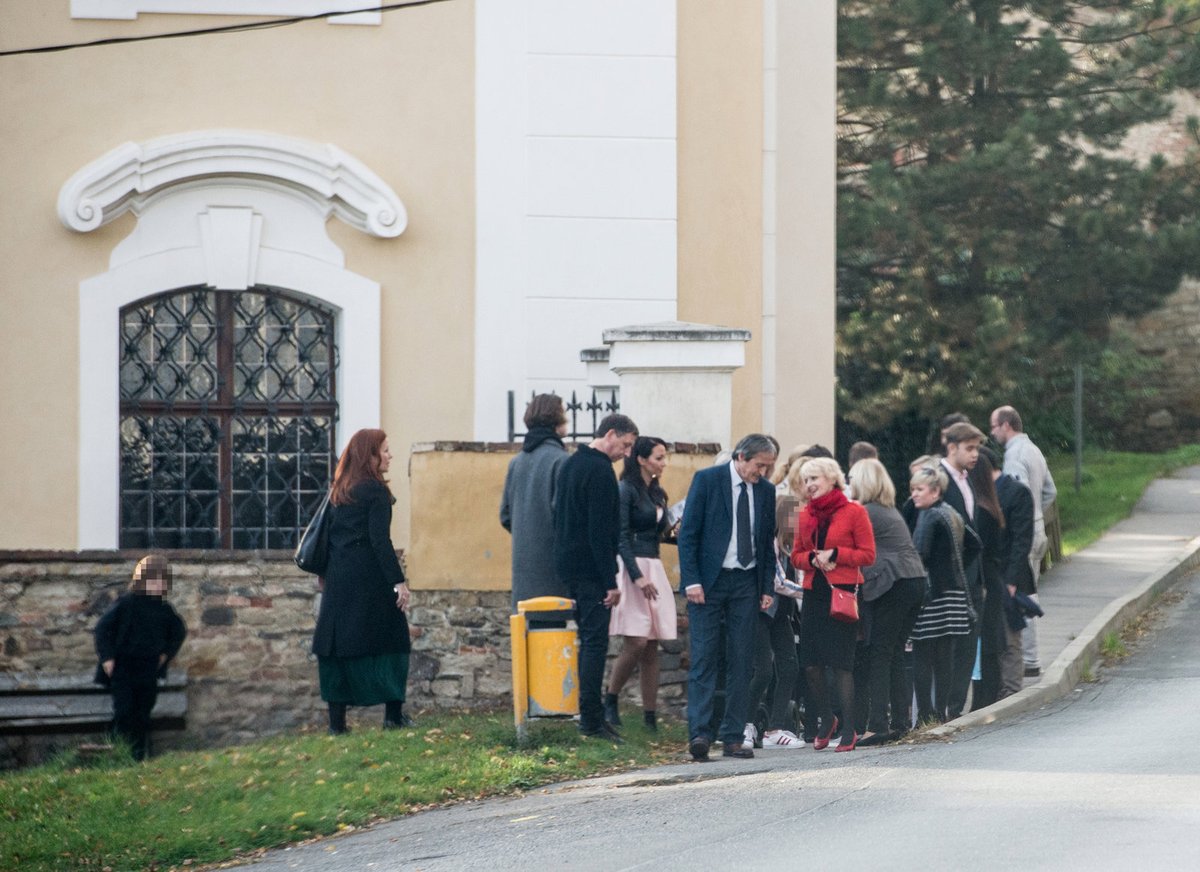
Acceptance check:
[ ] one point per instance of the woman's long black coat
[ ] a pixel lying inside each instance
(358, 614)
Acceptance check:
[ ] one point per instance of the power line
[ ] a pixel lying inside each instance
(208, 31)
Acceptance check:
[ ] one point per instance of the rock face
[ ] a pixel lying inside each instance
(1171, 336)
(250, 622)
(1171, 333)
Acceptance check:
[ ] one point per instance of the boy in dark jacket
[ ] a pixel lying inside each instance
(135, 640)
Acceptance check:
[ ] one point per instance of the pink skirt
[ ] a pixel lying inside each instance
(644, 618)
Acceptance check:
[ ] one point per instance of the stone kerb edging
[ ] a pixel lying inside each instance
(1065, 672)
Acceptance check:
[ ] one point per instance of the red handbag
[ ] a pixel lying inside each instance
(844, 606)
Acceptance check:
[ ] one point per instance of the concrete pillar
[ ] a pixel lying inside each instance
(677, 378)
(600, 376)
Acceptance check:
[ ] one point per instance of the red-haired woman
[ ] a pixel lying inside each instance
(361, 641)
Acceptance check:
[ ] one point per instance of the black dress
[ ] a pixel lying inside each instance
(824, 641)
(362, 640)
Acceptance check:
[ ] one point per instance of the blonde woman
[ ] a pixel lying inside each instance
(779, 477)
(893, 591)
(833, 542)
(946, 543)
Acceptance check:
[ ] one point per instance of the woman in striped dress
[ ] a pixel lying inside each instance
(946, 543)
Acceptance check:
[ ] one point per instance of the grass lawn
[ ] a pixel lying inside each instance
(187, 808)
(1113, 481)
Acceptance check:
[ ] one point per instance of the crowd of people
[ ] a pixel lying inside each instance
(806, 587)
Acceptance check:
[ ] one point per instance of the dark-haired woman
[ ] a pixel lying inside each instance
(989, 524)
(361, 640)
(645, 613)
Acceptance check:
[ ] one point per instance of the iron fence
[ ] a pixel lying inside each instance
(602, 402)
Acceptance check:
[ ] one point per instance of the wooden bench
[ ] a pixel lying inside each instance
(38, 704)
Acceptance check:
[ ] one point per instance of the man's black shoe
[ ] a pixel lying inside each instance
(605, 732)
(1032, 672)
(699, 749)
(739, 751)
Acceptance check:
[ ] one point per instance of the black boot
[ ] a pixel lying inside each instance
(651, 719)
(611, 713)
(337, 719)
(394, 717)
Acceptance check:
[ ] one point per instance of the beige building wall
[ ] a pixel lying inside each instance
(805, 250)
(458, 542)
(720, 130)
(398, 97)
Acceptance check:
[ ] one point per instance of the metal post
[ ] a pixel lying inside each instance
(520, 675)
(512, 422)
(1078, 427)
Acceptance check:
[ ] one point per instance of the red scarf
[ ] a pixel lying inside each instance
(820, 511)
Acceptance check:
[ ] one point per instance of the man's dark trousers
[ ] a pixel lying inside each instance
(591, 617)
(735, 596)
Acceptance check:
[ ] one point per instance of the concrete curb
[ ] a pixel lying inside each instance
(1066, 670)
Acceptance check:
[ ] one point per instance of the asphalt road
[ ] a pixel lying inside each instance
(1108, 778)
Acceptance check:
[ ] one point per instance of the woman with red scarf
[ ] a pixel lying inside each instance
(833, 541)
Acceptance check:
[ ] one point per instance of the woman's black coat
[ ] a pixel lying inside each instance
(358, 616)
(641, 527)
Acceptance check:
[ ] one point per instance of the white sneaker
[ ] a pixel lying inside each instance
(781, 739)
(749, 736)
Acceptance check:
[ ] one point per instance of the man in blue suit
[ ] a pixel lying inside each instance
(727, 564)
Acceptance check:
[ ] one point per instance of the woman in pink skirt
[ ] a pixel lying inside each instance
(646, 611)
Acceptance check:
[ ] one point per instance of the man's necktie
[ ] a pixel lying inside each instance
(745, 549)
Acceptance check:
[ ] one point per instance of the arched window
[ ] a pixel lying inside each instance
(227, 418)
(219, 212)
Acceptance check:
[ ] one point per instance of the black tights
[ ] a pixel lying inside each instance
(933, 670)
(819, 695)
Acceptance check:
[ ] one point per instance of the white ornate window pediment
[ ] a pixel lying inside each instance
(131, 175)
(130, 9)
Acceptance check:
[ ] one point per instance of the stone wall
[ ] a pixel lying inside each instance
(1171, 333)
(250, 618)
(1171, 336)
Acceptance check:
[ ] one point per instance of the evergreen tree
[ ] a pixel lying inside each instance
(987, 215)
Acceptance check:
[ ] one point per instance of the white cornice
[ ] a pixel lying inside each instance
(130, 174)
(130, 9)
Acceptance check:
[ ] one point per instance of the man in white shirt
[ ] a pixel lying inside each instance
(727, 569)
(962, 441)
(1025, 462)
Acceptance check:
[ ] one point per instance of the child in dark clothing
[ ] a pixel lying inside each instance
(135, 640)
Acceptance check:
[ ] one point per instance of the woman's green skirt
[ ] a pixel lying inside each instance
(369, 680)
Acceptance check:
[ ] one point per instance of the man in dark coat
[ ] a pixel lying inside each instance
(962, 441)
(527, 507)
(727, 569)
(586, 534)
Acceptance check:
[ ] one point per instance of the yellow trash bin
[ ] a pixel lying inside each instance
(545, 661)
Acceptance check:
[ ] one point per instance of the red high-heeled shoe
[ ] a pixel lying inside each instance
(843, 746)
(820, 743)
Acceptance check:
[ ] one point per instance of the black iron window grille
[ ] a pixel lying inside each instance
(228, 412)
(603, 401)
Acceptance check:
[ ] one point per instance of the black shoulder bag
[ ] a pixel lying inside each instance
(312, 552)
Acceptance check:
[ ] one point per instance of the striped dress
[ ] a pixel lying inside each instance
(939, 540)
